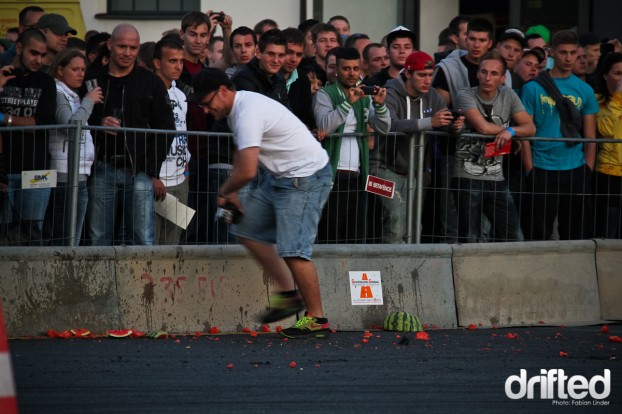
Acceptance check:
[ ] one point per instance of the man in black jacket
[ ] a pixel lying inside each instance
(297, 83)
(261, 74)
(127, 162)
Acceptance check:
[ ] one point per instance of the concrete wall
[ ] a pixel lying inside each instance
(192, 288)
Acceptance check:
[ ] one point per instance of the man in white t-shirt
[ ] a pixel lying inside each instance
(286, 179)
(168, 60)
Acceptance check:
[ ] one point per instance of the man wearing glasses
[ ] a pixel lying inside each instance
(280, 182)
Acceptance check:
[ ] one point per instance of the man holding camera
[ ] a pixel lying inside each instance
(27, 98)
(280, 181)
(343, 107)
(414, 107)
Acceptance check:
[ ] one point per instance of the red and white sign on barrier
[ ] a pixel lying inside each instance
(8, 400)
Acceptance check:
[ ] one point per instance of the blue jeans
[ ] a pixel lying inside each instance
(56, 216)
(116, 191)
(493, 199)
(285, 211)
(29, 204)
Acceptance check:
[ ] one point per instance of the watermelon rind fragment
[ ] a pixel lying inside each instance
(157, 334)
(402, 322)
(80, 333)
(119, 333)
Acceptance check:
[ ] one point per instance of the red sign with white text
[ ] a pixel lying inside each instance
(380, 186)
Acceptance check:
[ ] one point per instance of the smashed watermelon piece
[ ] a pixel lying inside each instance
(472, 327)
(119, 333)
(80, 333)
(62, 335)
(615, 339)
(265, 328)
(604, 329)
(563, 354)
(422, 336)
(136, 334)
(511, 335)
(214, 330)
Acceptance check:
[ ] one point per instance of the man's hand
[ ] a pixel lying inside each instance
(379, 98)
(232, 198)
(443, 118)
(159, 190)
(5, 75)
(502, 138)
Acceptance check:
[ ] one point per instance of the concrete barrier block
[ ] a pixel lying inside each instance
(609, 266)
(511, 284)
(190, 288)
(57, 288)
(415, 278)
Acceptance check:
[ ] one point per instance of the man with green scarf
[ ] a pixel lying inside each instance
(343, 107)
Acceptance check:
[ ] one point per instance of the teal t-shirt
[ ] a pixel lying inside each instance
(552, 155)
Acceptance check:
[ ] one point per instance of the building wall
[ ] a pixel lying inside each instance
(244, 13)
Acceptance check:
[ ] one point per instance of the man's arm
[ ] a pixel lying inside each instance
(379, 116)
(589, 132)
(245, 164)
(328, 118)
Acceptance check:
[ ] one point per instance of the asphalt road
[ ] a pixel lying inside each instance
(454, 371)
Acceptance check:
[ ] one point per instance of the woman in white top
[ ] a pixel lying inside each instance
(68, 70)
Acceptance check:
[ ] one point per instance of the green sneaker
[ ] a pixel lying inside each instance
(308, 326)
(282, 306)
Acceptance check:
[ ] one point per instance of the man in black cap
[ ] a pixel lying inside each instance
(510, 46)
(527, 67)
(56, 30)
(280, 180)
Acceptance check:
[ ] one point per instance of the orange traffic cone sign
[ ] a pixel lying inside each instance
(8, 401)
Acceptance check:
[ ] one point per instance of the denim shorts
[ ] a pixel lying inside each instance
(284, 211)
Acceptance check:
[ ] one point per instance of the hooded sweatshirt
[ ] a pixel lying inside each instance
(456, 73)
(392, 151)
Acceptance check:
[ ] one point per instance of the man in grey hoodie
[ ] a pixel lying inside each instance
(414, 106)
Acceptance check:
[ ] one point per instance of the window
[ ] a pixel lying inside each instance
(152, 8)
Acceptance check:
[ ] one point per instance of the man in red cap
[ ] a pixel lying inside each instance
(414, 107)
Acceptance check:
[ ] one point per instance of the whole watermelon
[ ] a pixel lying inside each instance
(402, 322)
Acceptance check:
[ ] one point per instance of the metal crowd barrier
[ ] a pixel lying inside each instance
(424, 209)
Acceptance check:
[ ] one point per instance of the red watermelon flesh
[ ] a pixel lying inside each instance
(119, 333)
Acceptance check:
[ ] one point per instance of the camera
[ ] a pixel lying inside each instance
(456, 114)
(220, 16)
(15, 72)
(228, 214)
(606, 48)
(370, 90)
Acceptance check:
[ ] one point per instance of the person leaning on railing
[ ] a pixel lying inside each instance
(608, 180)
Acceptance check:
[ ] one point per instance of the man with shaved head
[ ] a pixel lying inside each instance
(125, 176)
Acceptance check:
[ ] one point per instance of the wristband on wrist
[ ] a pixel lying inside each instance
(511, 131)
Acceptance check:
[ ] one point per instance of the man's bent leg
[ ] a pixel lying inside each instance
(305, 275)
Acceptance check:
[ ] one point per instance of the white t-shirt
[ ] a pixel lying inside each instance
(287, 148)
(172, 170)
(349, 148)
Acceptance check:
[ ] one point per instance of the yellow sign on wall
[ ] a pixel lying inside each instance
(9, 13)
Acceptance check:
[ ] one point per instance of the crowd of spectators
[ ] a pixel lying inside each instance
(337, 82)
